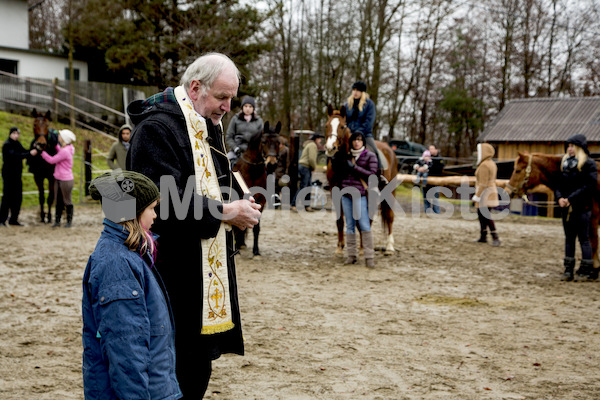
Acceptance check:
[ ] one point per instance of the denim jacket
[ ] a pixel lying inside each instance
(128, 334)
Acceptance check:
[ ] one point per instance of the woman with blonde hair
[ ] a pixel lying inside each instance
(361, 116)
(576, 188)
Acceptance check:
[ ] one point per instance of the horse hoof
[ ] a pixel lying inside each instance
(256, 257)
(242, 247)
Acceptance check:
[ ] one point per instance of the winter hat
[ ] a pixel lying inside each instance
(67, 136)
(355, 135)
(315, 136)
(360, 86)
(578, 140)
(248, 100)
(13, 129)
(124, 194)
(426, 153)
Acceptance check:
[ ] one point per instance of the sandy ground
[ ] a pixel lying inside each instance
(443, 318)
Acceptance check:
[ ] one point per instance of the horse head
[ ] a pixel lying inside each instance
(531, 170)
(337, 132)
(41, 127)
(270, 144)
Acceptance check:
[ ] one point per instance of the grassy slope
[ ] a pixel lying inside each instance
(100, 146)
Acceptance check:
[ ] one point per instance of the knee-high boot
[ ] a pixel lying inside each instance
(58, 216)
(69, 216)
(350, 248)
(369, 249)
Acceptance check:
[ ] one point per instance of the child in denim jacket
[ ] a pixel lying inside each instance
(128, 332)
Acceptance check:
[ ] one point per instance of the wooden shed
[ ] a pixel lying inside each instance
(543, 125)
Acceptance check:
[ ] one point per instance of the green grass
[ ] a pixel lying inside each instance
(100, 146)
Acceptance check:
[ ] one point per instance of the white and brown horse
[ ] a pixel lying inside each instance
(337, 147)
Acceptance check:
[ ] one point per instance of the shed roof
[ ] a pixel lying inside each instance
(546, 120)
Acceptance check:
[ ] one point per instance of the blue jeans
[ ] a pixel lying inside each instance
(427, 204)
(362, 212)
(305, 176)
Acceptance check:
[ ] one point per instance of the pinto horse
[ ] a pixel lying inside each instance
(258, 161)
(337, 147)
(46, 139)
(531, 170)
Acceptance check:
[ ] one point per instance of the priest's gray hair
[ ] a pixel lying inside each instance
(206, 69)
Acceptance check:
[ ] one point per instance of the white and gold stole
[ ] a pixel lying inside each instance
(216, 304)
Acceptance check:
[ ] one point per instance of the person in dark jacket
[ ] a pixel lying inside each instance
(575, 191)
(361, 117)
(436, 169)
(178, 143)
(128, 332)
(118, 151)
(242, 128)
(361, 165)
(13, 154)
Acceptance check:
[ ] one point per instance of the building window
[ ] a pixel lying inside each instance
(9, 66)
(75, 74)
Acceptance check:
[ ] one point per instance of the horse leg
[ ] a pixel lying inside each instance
(39, 182)
(339, 251)
(51, 195)
(256, 231)
(387, 214)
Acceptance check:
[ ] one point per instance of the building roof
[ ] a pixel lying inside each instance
(546, 120)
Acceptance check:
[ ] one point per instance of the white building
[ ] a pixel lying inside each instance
(15, 56)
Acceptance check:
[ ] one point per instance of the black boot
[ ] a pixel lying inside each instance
(57, 217)
(569, 263)
(69, 216)
(483, 237)
(585, 271)
(495, 242)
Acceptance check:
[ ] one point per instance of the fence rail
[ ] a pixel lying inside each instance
(98, 106)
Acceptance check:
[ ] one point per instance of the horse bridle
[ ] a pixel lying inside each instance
(335, 135)
(525, 180)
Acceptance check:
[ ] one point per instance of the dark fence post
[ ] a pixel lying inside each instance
(293, 168)
(87, 151)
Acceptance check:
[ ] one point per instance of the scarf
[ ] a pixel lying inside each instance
(216, 304)
(357, 153)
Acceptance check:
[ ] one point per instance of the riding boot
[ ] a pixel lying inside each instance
(482, 237)
(569, 263)
(58, 216)
(585, 271)
(350, 248)
(495, 242)
(367, 238)
(69, 216)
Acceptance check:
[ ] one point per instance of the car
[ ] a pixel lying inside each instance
(407, 153)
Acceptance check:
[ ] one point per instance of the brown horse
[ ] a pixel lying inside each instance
(258, 161)
(337, 147)
(535, 169)
(47, 139)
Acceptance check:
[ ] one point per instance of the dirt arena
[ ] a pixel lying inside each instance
(443, 318)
